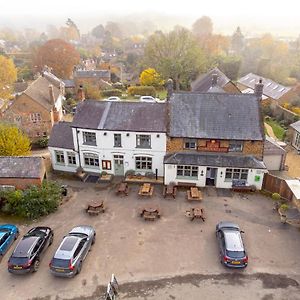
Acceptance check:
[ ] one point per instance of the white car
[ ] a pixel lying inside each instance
(147, 99)
(113, 98)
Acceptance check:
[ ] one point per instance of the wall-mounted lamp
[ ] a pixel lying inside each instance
(157, 135)
(105, 133)
(127, 134)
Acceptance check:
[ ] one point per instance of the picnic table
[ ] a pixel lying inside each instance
(123, 189)
(95, 207)
(169, 190)
(150, 213)
(194, 194)
(195, 213)
(146, 190)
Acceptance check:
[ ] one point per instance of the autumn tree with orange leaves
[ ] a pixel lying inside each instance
(58, 55)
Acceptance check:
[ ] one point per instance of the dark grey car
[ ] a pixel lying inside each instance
(68, 258)
(232, 251)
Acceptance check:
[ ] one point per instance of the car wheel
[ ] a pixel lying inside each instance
(51, 240)
(94, 239)
(79, 268)
(36, 265)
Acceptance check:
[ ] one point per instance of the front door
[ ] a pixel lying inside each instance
(211, 175)
(119, 165)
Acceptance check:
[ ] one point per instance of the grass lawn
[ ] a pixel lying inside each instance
(277, 129)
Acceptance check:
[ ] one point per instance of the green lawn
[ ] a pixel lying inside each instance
(277, 129)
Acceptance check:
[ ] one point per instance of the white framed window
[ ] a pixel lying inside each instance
(71, 158)
(117, 140)
(91, 159)
(59, 156)
(35, 117)
(297, 140)
(143, 163)
(187, 171)
(240, 174)
(89, 138)
(143, 141)
(235, 146)
(190, 143)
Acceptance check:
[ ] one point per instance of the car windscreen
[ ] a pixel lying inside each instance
(60, 263)
(18, 260)
(236, 254)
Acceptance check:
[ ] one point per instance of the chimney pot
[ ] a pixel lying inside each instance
(258, 89)
(80, 93)
(169, 88)
(51, 94)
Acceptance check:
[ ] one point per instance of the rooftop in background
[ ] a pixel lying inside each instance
(122, 116)
(215, 116)
(21, 167)
(69, 83)
(296, 126)
(61, 136)
(272, 147)
(271, 89)
(93, 74)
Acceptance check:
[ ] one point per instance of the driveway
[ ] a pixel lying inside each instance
(171, 256)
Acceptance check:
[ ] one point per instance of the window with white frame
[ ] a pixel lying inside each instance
(35, 117)
(143, 163)
(240, 174)
(59, 156)
(117, 140)
(187, 171)
(190, 143)
(89, 138)
(91, 159)
(143, 141)
(297, 140)
(71, 158)
(235, 146)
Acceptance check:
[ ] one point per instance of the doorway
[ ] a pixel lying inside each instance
(119, 165)
(211, 175)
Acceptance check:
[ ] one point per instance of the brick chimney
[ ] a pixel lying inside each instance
(258, 89)
(51, 94)
(214, 79)
(169, 88)
(80, 94)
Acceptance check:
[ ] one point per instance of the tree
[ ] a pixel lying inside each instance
(230, 65)
(151, 77)
(114, 29)
(175, 55)
(237, 41)
(8, 75)
(98, 32)
(13, 142)
(203, 27)
(91, 91)
(59, 55)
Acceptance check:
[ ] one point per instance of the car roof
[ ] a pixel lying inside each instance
(67, 247)
(233, 240)
(25, 245)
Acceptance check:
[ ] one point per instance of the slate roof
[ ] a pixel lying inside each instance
(296, 126)
(203, 83)
(93, 73)
(21, 167)
(213, 160)
(61, 136)
(271, 89)
(123, 116)
(271, 147)
(215, 116)
(69, 83)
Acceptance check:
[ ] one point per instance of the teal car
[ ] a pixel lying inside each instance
(8, 234)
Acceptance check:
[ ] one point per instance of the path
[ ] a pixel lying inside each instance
(270, 131)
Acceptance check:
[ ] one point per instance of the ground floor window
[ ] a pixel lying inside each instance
(106, 164)
(71, 158)
(297, 140)
(59, 155)
(241, 174)
(91, 159)
(143, 163)
(187, 171)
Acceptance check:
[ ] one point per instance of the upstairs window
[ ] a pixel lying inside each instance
(190, 144)
(143, 141)
(89, 138)
(235, 146)
(35, 117)
(117, 140)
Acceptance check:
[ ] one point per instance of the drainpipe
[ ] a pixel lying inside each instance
(79, 160)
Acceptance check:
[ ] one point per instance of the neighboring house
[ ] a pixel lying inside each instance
(214, 81)
(215, 139)
(37, 108)
(294, 187)
(95, 78)
(295, 135)
(274, 155)
(273, 91)
(69, 87)
(113, 137)
(21, 171)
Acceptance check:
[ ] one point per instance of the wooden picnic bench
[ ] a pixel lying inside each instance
(170, 190)
(194, 194)
(95, 207)
(150, 213)
(146, 190)
(123, 189)
(195, 213)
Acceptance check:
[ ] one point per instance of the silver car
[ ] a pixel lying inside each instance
(68, 258)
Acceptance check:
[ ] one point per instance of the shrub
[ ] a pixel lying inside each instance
(110, 93)
(129, 173)
(43, 142)
(276, 196)
(33, 202)
(284, 207)
(141, 90)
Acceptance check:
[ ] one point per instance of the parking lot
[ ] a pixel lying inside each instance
(169, 258)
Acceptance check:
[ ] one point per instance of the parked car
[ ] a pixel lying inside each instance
(232, 251)
(147, 99)
(27, 254)
(8, 234)
(113, 98)
(68, 258)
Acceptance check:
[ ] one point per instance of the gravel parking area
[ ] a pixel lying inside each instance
(168, 258)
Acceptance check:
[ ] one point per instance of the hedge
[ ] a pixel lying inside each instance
(112, 92)
(141, 91)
